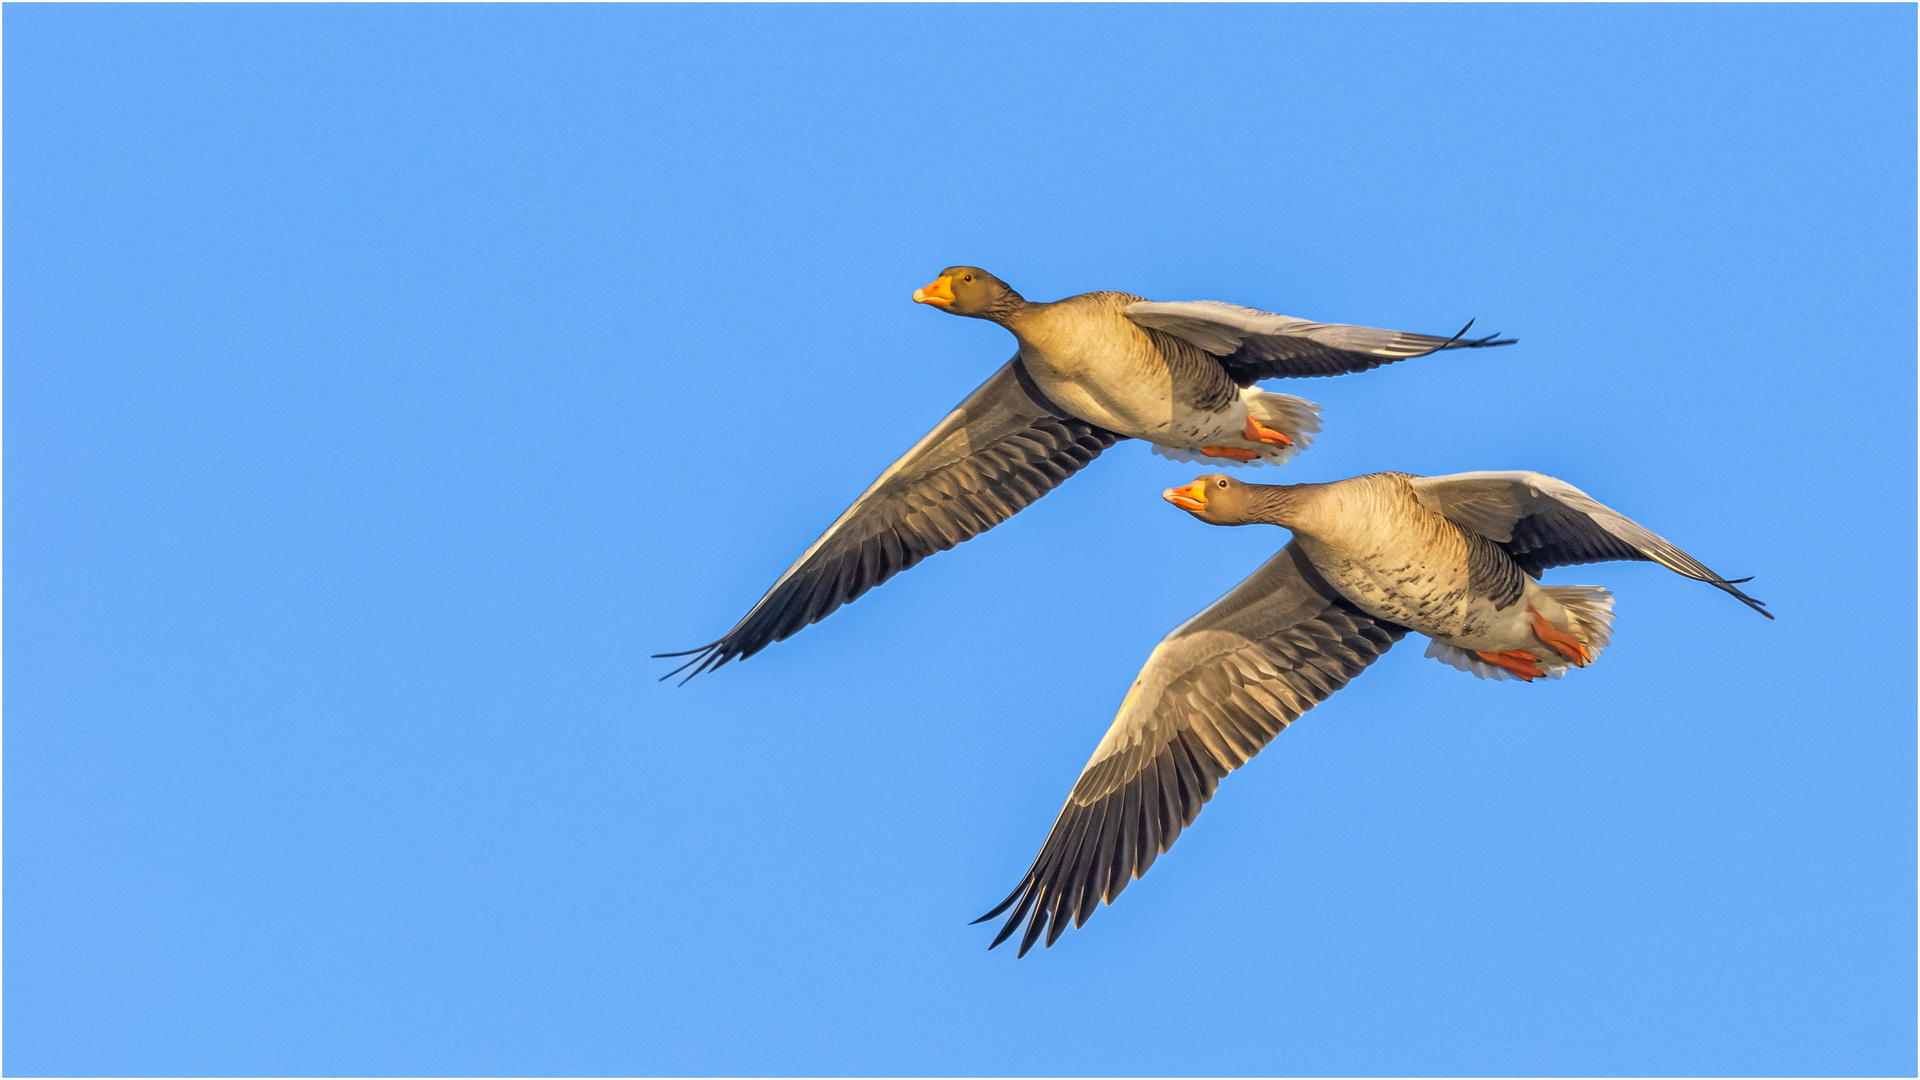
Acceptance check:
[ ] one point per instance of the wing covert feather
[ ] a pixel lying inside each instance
(1544, 522)
(1253, 344)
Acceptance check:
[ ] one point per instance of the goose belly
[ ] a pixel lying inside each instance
(1419, 588)
(1101, 386)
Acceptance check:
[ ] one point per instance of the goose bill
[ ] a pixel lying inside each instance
(1191, 497)
(939, 294)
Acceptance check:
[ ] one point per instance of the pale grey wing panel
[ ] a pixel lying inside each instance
(1544, 522)
(1003, 448)
(1211, 695)
(1489, 503)
(1253, 344)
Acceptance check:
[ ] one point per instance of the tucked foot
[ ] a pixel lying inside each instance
(1234, 452)
(1558, 640)
(1522, 664)
(1259, 432)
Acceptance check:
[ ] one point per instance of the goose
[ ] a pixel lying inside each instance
(1091, 370)
(1373, 557)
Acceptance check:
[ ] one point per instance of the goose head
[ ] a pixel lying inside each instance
(1215, 499)
(1218, 499)
(970, 291)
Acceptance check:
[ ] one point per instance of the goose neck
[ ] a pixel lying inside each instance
(1010, 311)
(1275, 504)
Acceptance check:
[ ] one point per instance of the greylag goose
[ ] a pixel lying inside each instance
(1372, 557)
(1091, 370)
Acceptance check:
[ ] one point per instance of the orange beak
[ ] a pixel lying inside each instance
(1191, 497)
(939, 294)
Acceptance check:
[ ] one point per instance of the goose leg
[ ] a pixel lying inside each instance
(1559, 641)
(1259, 432)
(1520, 662)
(1234, 452)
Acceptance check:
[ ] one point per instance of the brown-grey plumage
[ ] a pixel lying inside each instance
(1252, 344)
(1457, 557)
(1173, 373)
(1198, 379)
(1542, 522)
(1492, 572)
(1003, 448)
(1211, 695)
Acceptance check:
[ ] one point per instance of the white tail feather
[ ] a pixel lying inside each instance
(1296, 418)
(1589, 609)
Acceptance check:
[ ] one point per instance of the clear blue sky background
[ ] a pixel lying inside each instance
(383, 384)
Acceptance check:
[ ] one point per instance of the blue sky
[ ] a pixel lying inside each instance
(384, 384)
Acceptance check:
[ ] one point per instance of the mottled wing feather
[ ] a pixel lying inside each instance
(1543, 522)
(1003, 448)
(1211, 695)
(1252, 344)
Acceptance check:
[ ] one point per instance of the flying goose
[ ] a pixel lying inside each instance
(1091, 370)
(1372, 557)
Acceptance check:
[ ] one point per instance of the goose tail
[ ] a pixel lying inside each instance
(1589, 613)
(1585, 616)
(1297, 418)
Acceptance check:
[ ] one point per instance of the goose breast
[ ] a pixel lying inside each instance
(1099, 365)
(1396, 560)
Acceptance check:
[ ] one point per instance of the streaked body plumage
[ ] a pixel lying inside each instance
(1382, 548)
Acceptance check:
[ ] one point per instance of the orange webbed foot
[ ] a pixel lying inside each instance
(1559, 641)
(1234, 452)
(1259, 432)
(1522, 664)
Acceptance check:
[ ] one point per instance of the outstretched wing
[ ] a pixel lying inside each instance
(1213, 693)
(1253, 344)
(1543, 522)
(1005, 446)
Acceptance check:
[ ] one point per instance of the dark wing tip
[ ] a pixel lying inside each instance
(1002, 905)
(1021, 900)
(705, 658)
(1757, 605)
(711, 644)
(1462, 341)
(1726, 585)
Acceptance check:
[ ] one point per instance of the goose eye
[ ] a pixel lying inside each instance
(969, 277)
(1221, 483)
